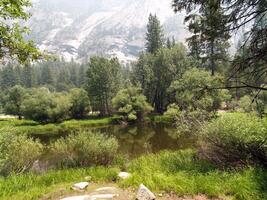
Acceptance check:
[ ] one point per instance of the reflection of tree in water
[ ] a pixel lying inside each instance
(134, 140)
(138, 139)
(183, 140)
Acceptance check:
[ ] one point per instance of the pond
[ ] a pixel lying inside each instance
(139, 139)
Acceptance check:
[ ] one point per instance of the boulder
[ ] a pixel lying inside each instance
(80, 186)
(144, 193)
(124, 175)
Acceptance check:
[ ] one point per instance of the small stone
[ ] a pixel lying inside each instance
(124, 175)
(144, 193)
(160, 195)
(80, 186)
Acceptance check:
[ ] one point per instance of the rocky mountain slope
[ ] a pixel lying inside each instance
(82, 28)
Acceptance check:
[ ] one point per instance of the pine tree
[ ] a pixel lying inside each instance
(210, 38)
(154, 35)
(28, 77)
(47, 76)
(82, 75)
(104, 81)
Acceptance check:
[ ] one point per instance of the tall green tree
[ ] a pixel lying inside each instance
(12, 42)
(104, 81)
(82, 75)
(155, 73)
(154, 35)
(28, 76)
(239, 15)
(210, 36)
(47, 76)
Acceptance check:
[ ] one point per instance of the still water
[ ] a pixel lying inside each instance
(139, 139)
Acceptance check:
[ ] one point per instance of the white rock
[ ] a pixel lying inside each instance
(144, 193)
(85, 197)
(80, 186)
(101, 196)
(124, 175)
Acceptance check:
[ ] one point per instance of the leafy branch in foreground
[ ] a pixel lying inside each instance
(12, 42)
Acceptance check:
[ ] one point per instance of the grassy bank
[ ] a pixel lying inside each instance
(34, 128)
(177, 171)
(182, 173)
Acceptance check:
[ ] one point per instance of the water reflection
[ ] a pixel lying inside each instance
(139, 139)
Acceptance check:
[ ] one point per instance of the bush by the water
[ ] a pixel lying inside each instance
(173, 111)
(85, 149)
(131, 103)
(44, 106)
(17, 152)
(190, 92)
(235, 139)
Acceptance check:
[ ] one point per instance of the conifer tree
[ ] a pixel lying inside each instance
(154, 35)
(28, 77)
(104, 81)
(210, 38)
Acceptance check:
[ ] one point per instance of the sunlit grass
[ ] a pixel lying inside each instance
(31, 186)
(184, 174)
(180, 172)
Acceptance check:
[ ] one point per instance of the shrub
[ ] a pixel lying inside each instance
(80, 104)
(191, 122)
(59, 110)
(14, 100)
(235, 139)
(44, 106)
(17, 152)
(245, 104)
(85, 149)
(258, 105)
(131, 103)
(173, 111)
(190, 92)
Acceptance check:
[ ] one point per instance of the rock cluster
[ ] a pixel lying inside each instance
(105, 193)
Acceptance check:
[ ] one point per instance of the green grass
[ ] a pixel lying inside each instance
(159, 118)
(33, 128)
(31, 186)
(182, 173)
(179, 171)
